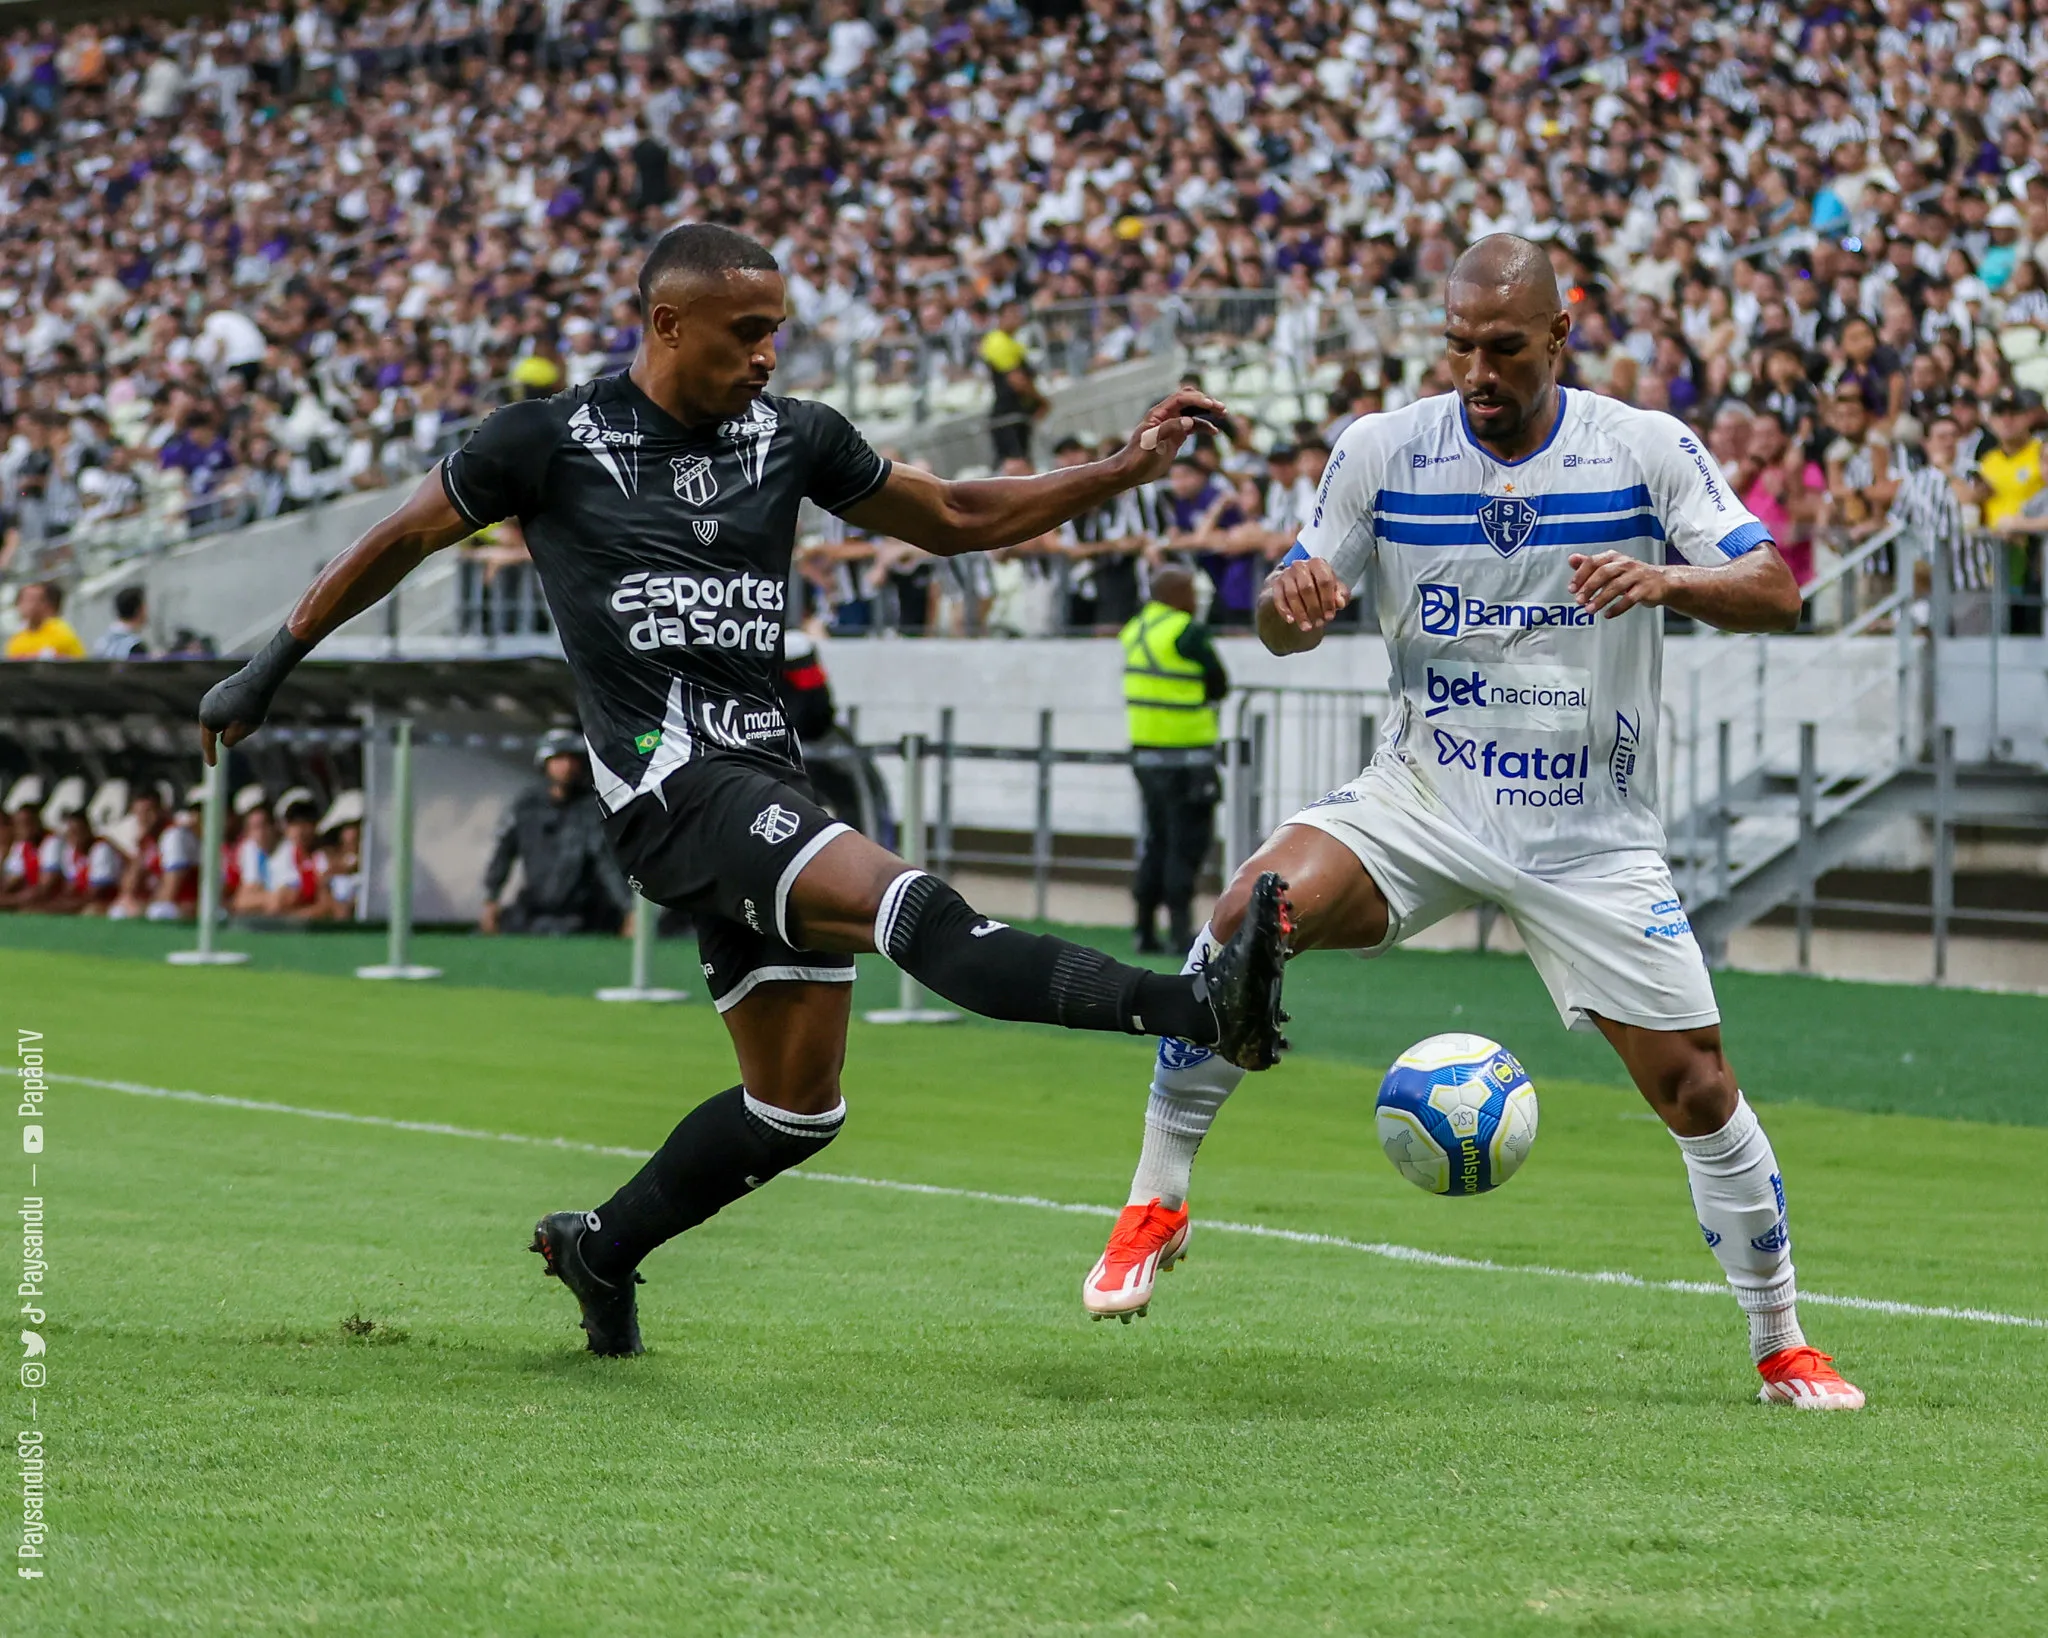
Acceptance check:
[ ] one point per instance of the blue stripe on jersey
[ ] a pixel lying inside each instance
(1567, 503)
(1744, 539)
(1466, 532)
(1427, 506)
(1593, 500)
(1295, 554)
(1592, 531)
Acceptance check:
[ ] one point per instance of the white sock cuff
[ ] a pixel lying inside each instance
(1741, 1129)
(891, 908)
(1206, 945)
(791, 1124)
(1180, 1115)
(1781, 1293)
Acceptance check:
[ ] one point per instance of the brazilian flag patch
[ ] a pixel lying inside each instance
(646, 743)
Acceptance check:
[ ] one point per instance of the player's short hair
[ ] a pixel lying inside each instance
(701, 249)
(128, 602)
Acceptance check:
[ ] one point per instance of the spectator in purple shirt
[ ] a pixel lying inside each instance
(1191, 491)
(1200, 509)
(199, 450)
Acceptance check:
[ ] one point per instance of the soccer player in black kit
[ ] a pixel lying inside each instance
(661, 508)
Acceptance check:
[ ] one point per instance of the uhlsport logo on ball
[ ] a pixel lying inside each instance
(1457, 1114)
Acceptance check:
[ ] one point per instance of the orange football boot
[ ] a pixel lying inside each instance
(1147, 1240)
(1806, 1378)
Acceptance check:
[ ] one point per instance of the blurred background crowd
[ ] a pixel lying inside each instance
(130, 850)
(252, 261)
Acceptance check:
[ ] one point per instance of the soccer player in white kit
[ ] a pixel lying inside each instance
(1515, 534)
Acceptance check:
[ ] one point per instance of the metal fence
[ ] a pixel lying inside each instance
(1283, 749)
(939, 757)
(1287, 748)
(70, 551)
(502, 601)
(1266, 353)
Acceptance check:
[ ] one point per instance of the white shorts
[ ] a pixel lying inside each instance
(1608, 937)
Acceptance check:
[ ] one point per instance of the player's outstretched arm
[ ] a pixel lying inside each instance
(985, 514)
(1756, 592)
(381, 557)
(1297, 602)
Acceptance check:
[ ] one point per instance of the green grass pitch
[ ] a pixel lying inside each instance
(304, 1378)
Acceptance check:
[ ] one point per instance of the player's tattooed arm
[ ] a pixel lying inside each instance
(1756, 592)
(985, 514)
(381, 557)
(1298, 600)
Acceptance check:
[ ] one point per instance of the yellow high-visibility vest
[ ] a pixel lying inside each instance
(1163, 692)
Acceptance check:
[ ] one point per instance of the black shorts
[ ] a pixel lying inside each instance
(728, 846)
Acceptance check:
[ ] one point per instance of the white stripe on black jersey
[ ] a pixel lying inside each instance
(664, 551)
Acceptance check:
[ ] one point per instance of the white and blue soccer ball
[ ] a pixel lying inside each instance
(1457, 1114)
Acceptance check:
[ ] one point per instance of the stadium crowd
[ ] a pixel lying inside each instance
(132, 852)
(249, 262)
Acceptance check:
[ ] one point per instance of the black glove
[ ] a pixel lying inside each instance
(245, 697)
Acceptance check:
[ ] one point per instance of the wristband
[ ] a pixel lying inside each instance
(274, 661)
(245, 697)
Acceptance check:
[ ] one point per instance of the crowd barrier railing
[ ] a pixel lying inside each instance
(1267, 353)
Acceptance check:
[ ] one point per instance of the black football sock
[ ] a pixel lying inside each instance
(929, 931)
(719, 1151)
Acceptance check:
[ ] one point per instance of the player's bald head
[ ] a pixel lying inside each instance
(698, 252)
(1504, 337)
(1513, 271)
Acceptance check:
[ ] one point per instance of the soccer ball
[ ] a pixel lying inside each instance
(1457, 1114)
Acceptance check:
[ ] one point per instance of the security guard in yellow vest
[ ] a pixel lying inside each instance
(1172, 681)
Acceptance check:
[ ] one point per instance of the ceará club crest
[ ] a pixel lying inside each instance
(695, 481)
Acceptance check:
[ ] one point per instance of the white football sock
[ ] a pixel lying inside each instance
(1740, 1199)
(1189, 1084)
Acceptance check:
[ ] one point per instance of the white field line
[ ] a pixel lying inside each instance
(1300, 1237)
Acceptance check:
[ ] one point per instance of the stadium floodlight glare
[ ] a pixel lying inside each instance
(645, 915)
(212, 824)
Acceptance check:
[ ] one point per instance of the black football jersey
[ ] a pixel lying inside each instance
(664, 552)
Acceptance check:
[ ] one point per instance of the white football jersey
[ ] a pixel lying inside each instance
(1533, 721)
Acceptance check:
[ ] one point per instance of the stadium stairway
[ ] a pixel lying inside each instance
(1787, 763)
(1778, 845)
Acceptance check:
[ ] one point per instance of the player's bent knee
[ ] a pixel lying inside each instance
(799, 1093)
(1335, 902)
(836, 897)
(1229, 908)
(1695, 1094)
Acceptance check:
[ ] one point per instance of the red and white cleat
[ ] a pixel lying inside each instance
(1806, 1378)
(1147, 1240)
